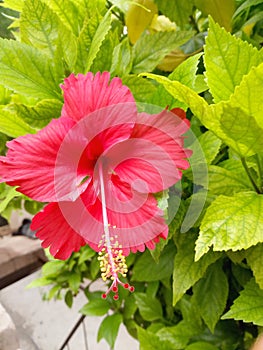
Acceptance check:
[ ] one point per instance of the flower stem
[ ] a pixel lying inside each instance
(243, 160)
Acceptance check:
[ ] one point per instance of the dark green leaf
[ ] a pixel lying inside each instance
(130, 307)
(146, 269)
(69, 298)
(186, 271)
(150, 341)
(109, 329)
(150, 308)
(210, 295)
(201, 346)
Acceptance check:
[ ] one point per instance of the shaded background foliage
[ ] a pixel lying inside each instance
(202, 288)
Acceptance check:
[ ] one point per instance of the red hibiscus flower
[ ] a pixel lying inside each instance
(99, 165)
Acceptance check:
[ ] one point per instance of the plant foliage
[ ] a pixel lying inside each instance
(203, 287)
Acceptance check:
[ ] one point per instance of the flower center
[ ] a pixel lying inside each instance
(111, 258)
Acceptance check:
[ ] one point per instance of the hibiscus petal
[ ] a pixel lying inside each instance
(53, 229)
(84, 94)
(96, 133)
(152, 159)
(136, 216)
(31, 163)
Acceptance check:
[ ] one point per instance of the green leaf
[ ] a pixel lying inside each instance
(16, 5)
(69, 298)
(246, 4)
(254, 258)
(86, 254)
(130, 307)
(122, 59)
(152, 289)
(184, 94)
(248, 307)
(12, 125)
(150, 49)
(53, 268)
(227, 59)
(98, 38)
(109, 329)
(53, 292)
(90, 39)
(26, 70)
(94, 267)
(221, 11)
(74, 281)
(179, 335)
(191, 325)
(210, 145)
(201, 345)
(228, 178)
(150, 308)
(210, 295)
(39, 26)
(8, 195)
(141, 88)
(103, 60)
(5, 95)
(185, 73)
(231, 223)
(245, 136)
(39, 282)
(186, 271)
(96, 307)
(40, 114)
(197, 204)
(177, 11)
(150, 341)
(68, 13)
(66, 49)
(147, 270)
(251, 103)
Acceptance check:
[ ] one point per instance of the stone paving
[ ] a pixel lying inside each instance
(42, 325)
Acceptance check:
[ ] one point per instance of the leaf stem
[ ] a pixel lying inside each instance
(243, 160)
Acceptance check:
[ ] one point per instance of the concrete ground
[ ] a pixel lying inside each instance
(45, 325)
